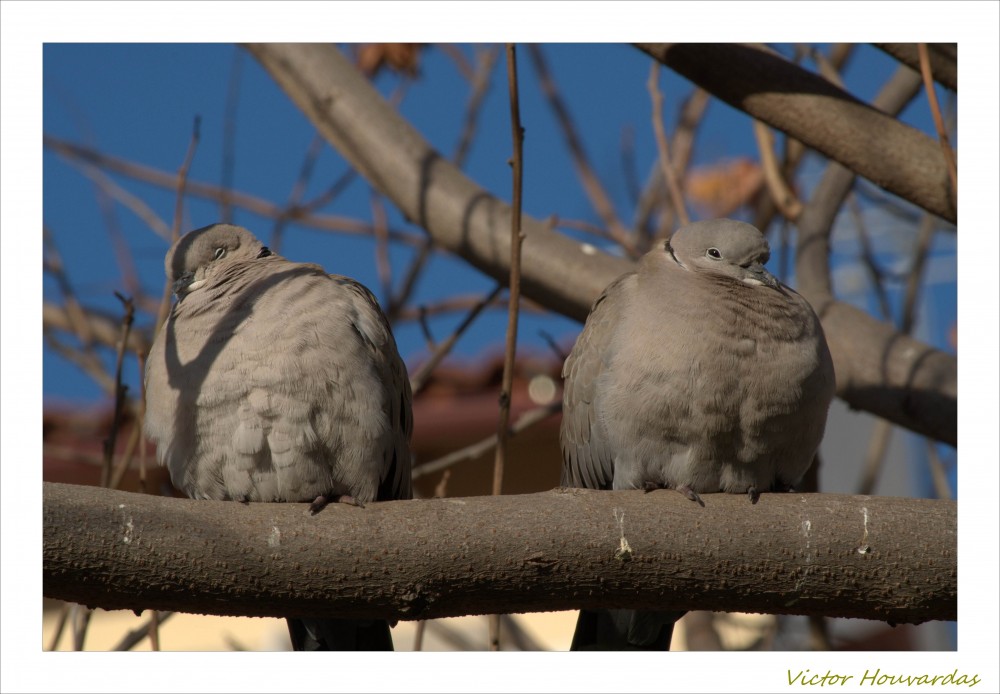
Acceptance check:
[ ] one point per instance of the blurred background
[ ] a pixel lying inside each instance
(125, 124)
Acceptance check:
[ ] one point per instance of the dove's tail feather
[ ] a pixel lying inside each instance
(624, 630)
(340, 635)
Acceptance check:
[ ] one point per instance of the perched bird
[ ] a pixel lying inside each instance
(273, 381)
(698, 372)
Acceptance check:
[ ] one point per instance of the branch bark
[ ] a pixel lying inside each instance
(802, 104)
(557, 272)
(879, 369)
(865, 557)
(944, 60)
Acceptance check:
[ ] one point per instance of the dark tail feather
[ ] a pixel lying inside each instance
(624, 630)
(340, 635)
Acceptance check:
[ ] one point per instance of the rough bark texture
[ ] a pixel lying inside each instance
(557, 272)
(841, 556)
(811, 109)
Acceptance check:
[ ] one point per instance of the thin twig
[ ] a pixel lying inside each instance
(125, 460)
(181, 183)
(914, 278)
(939, 477)
(326, 197)
(81, 620)
(461, 62)
(135, 637)
(425, 328)
(154, 631)
(510, 351)
(182, 175)
(592, 186)
(499, 461)
(419, 379)
(475, 450)
(875, 457)
(229, 134)
(630, 177)
(123, 257)
(74, 311)
(521, 639)
(462, 303)
(251, 203)
(793, 148)
(669, 174)
(826, 67)
(88, 362)
(64, 611)
(409, 283)
(692, 111)
(785, 200)
(553, 345)
(949, 155)
(819, 633)
(874, 272)
(485, 60)
(298, 190)
(104, 328)
(132, 202)
(120, 390)
(383, 264)
(142, 422)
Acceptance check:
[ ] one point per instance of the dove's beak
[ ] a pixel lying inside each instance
(185, 284)
(758, 274)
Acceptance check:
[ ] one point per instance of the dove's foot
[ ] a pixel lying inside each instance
(683, 489)
(321, 501)
(753, 494)
(691, 494)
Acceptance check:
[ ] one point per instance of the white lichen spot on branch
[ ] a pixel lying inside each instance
(865, 548)
(624, 551)
(128, 528)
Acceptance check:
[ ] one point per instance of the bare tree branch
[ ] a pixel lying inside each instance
(863, 557)
(878, 371)
(807, 107)
(462, 217)
(304, 216)
(104, 328)
(944, 60)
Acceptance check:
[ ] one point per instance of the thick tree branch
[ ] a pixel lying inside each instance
(462, 217)
(556, 271)
(944, 60)
(865, 557)
(811, 109)
(879, 369)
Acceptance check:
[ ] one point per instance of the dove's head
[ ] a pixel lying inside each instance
(201, 253)
(722, 247)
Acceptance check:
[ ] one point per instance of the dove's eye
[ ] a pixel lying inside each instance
(219, 253)
(715, 254)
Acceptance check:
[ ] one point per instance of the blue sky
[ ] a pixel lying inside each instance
(139, 102)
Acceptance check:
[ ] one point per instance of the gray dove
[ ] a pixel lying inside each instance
(698, 372)
(274, 381)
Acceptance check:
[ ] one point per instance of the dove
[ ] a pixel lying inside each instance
(699, 372)
(273, 381)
